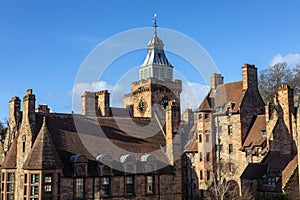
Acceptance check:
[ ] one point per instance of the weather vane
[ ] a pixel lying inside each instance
(155, 23)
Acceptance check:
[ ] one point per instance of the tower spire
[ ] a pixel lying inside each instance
(155, 23)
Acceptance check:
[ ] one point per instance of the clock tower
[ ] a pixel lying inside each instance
(150, 95)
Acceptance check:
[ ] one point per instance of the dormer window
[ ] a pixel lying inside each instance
(79, 165)
(259, 151)
(263, 133)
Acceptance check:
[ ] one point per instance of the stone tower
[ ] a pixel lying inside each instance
(150, 95)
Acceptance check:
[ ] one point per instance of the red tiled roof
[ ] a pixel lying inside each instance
(255, 138)
(205, 105)
(225, 93)
(192, 146)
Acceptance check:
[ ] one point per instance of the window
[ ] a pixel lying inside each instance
(206, 116)
(10, 196)
(230, 130)
(25, 190)
(248, 152)
(264, 133)
(150, 184)
(10, 182)
(79, 188)
(207, 138)
(271, 181)
(25, 178)
(48, 184)
(200, 137)
(129, 185)
(201, 157)
(34, 178)
(219, 147)
(231, 167)
(200, 116)
(207, 157)
(208, 175)
(105, 187)
(230, 150)
(259, 151)
(34, 190)
(201, 175)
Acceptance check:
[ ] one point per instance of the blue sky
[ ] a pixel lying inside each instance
(43, 43)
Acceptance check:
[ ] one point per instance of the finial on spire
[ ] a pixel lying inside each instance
(155, 23)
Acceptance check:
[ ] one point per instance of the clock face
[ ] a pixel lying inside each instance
(142, 106)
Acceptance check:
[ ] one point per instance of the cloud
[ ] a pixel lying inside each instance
(192, 94)
(116, 93)
(291, 59)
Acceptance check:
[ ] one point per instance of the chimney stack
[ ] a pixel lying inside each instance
(249, 74)
(29, 107)
(103, 103)
(215, 80)
(89, 102)
(173, 144)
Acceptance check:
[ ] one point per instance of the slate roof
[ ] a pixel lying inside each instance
(64, 135)
(43, 154)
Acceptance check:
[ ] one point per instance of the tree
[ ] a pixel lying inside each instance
(274, 76)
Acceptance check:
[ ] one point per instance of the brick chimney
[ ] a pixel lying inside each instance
(42, 108)
(215, 80)
(249, 74)
(103, 103)
(15, 109)
(173, 145)
(285, 100)
(13, 123)
(89, 102)
(29, 107)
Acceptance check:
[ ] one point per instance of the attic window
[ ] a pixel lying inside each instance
(264, 133)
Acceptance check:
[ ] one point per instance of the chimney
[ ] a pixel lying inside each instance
(42, 108)
(89, 103)
(215, 80)
(15, 110)
(103, 103)
(173, 144)
(284, 101)
(29, 107)
(249, 74)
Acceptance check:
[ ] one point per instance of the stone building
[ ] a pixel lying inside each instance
(238, 138)
(105, 152)
(150, 95)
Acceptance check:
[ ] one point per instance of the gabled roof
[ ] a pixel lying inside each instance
(43, 154)
(205, 105)
(224, 93)
(255, 137)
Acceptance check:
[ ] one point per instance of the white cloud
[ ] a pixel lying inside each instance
(291, 59)
(116, 93)
(192, 94)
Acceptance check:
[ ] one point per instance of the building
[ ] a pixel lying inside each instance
(242, 141)
(72, 156)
